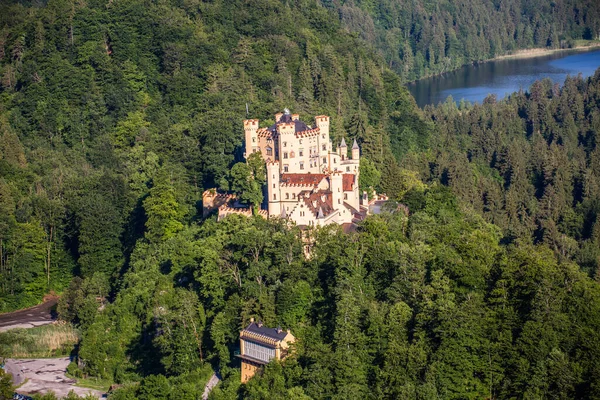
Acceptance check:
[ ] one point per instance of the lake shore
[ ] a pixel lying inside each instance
(542, 51)
(518, 54)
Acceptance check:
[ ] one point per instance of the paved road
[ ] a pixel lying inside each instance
(212, 382)
(29, 317)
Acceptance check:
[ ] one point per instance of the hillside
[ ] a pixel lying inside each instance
(115, 115)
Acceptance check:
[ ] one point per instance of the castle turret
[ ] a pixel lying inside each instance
(250, 128)
(343, 149)
(322, 122)
(273, 188)
(355, 151)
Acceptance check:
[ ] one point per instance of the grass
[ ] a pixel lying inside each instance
(55, 340)
(584, 42)
(94, 383)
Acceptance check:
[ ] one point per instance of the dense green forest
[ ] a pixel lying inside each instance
(529, 164)
(423, 37)
(115, 115)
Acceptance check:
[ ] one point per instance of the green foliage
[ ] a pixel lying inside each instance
(6, 387)
(115, 116)
(246, 184)
(369, 177)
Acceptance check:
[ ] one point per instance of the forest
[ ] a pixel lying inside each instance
(115, 116)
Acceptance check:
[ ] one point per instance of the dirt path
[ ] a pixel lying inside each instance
(29, 317)
(43, 375)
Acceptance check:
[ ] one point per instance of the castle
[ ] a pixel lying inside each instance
(308, 182)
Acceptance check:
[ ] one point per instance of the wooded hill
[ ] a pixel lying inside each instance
(116, 115)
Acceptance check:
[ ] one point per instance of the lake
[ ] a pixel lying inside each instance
(474, 82)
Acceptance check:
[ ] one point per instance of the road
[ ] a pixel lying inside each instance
(29, 317)
(212, 382)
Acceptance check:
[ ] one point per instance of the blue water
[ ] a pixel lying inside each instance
(474, 83)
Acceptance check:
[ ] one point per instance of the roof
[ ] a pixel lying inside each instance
(299, 126)
(343, 143)
(320, 203)
(348, 182)
(270, 333)
(302, 179)
(354, 145)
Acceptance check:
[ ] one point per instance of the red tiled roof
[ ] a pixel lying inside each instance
(318, 200)
(348, 182)
(302, 179)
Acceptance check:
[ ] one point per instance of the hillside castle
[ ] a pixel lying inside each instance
(308, 182)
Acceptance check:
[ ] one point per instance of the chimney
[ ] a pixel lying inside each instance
(278, 329)
(260, 324)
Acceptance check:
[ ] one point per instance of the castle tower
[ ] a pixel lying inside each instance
(322, 122)
(336, 189)
(273, 188)
(250, 128)
(355, 151)
(287, 148)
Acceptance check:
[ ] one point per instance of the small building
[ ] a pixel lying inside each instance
(259, 345)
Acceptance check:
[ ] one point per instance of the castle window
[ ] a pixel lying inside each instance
(274, 196)
(301, 165)
(284, 144)
(347, 169)
(273, 186)
(324, 147)
(269, 151)
(345, 196)
(324, 160)
(285, 155)
(286, 168)
(335, 160)
(300, 141)
(301, 152)
(287, 196)
(323, 136)
(253, 140)
(293, 195)
(339, 201)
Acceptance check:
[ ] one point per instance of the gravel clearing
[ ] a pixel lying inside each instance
(42, 375)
